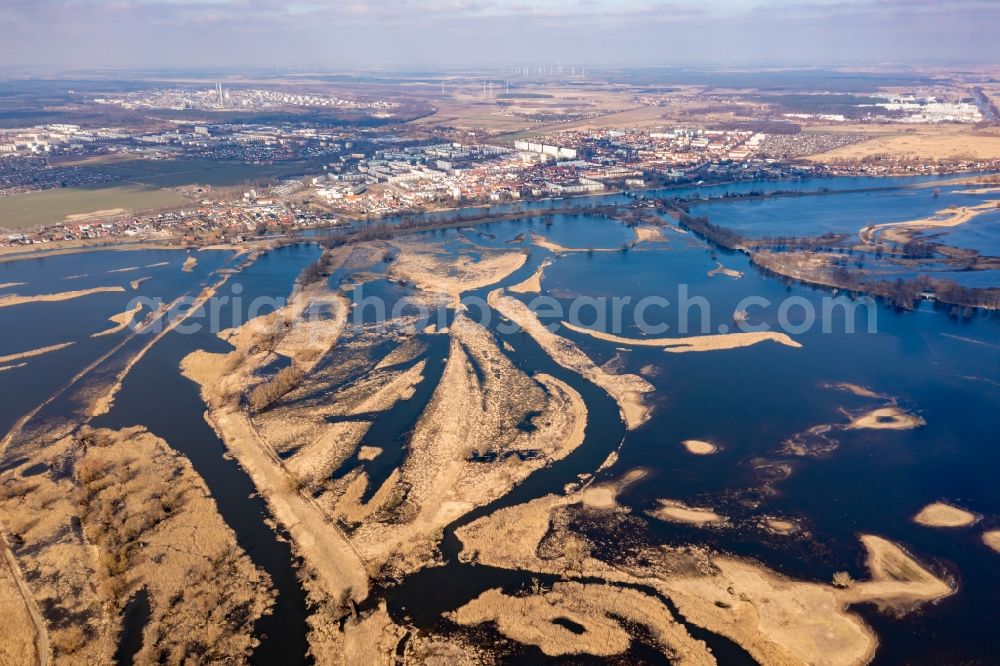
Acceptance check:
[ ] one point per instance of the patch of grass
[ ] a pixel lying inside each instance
(32, 209)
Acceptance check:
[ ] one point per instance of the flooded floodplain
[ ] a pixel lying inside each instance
(512, 441)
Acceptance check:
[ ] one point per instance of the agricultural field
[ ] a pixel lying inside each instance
(31, 209)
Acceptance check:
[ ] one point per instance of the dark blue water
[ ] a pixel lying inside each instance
(34, 325)
(845, 212)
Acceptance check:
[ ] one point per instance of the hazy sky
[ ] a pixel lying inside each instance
(470, 33)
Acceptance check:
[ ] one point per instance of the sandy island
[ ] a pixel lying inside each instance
(15, 299)
(885, 418)
(369, 452)
(541, 241)
(992, 539)
(649, 234)
(694, 343)
(700, 447)
(939, 514)
(780, 525)
(678, 512)
(189, 264)
(9, 285)
(722, 270)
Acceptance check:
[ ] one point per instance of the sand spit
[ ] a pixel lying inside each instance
(627, 390)
(598, 613)
(135, 283)
(861, 391)
(10, 285)
(158, 264)
(885, 418)
(778, 620)
(189, 264)
(121, 320)
(89, 539)
(15, 366)
(124, 270)
(15, 299)
(699, 447)
(649, 234)
(434, 270)
(898, 581)
(533, 285)
(979, 190)
(35, 352)
(992, 539)
(466, 449)
(694, 343)
(541, 241)
(722, 270)
(939, 514)
(678, 512)
(949, 217)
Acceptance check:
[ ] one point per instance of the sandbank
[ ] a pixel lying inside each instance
(533, 285)
(678, 512)
(121, 321)
(31, 353)
(649, 234)
(939, 514)
(369, 452)
(722, 270)
(699, 447)
(15, 299)
(885, 418)
(693, 343)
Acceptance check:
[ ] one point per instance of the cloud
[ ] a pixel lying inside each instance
(406, 33)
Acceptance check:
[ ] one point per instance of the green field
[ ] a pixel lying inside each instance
(176, 173)
(32, 209)
(139, 191)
